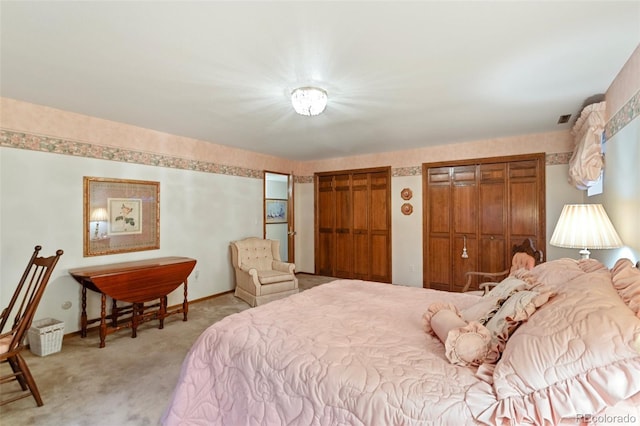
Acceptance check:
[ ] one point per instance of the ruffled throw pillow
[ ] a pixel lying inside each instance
(466, 344)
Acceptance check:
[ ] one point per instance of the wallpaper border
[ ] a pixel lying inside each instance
(34, 142)
(21, 140)
(624, 116)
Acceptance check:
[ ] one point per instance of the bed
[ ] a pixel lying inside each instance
(361, 353)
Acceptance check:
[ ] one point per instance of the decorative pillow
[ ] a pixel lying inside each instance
(484, 310)
(470, 345)
(516, 309)
(465, 344)
(626, 280)
(576, 354)
(433, 309)
(507, 287)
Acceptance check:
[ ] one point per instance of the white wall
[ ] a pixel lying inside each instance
(304, 227)
(41, 203)
(621, 196)
(406, 232)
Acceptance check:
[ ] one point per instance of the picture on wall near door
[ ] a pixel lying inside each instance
(275, 211)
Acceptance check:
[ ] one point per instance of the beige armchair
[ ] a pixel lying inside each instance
(260, 274)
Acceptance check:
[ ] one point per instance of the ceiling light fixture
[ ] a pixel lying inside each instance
(309, 100)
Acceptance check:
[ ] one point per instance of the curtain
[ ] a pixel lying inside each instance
(587, 161)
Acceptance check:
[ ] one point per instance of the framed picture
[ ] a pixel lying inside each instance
(120, 216)
(275, 211)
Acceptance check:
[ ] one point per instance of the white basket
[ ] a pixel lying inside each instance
(45, 336)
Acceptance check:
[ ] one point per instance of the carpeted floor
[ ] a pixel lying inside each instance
(128, 382)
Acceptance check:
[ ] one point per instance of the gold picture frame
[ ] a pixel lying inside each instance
(120, 216)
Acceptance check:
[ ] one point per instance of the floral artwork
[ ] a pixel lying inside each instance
(125, 216)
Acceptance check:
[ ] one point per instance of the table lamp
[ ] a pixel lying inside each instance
(98, 215)
(585, 226)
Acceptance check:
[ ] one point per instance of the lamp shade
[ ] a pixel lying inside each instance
(309, 100)
(585, 226)
(99, 215)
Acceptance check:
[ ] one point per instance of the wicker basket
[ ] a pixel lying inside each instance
(45, 336)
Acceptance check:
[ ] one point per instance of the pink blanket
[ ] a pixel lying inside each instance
(347, 352)
(355, 353)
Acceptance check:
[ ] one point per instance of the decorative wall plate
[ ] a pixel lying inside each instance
(406, 194)
(406, 208)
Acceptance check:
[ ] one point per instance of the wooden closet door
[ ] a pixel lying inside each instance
(437, 224)
(325, 225)
(492, 206)
(343, 260)
(379, 210)
(484, 205)
(525, 210)
(353, 225)
(464, 189)
(361, 240)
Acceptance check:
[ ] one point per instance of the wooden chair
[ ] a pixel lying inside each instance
(17, 317)
(524, 255)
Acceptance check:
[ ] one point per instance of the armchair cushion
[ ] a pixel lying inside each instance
(270, 276)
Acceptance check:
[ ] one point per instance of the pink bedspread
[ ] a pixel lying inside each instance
(347, 352)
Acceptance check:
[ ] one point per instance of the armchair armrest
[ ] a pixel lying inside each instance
(283, 266)
(485, 285)
(251, 271)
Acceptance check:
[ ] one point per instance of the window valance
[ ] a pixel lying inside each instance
(587, 161)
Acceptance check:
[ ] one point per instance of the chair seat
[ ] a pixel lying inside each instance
(272, 277)
(5, 342)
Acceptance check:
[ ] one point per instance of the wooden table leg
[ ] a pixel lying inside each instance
(114, 313)
(185, 303)
(134, 320)
(103, 319)
(83, 316)
(162, 313)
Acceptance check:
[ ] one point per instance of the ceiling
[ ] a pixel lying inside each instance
(399, 75)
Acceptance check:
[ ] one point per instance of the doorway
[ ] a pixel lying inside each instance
(279, 213)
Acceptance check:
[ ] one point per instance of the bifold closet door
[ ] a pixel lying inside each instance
(476, 211)
(353, 224)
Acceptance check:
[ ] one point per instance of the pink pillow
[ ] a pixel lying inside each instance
(465, 344)
(470, 345)
(626, 280)
(576, 354)
(444, 321)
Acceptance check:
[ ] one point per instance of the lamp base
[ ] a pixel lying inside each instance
(584, 253)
